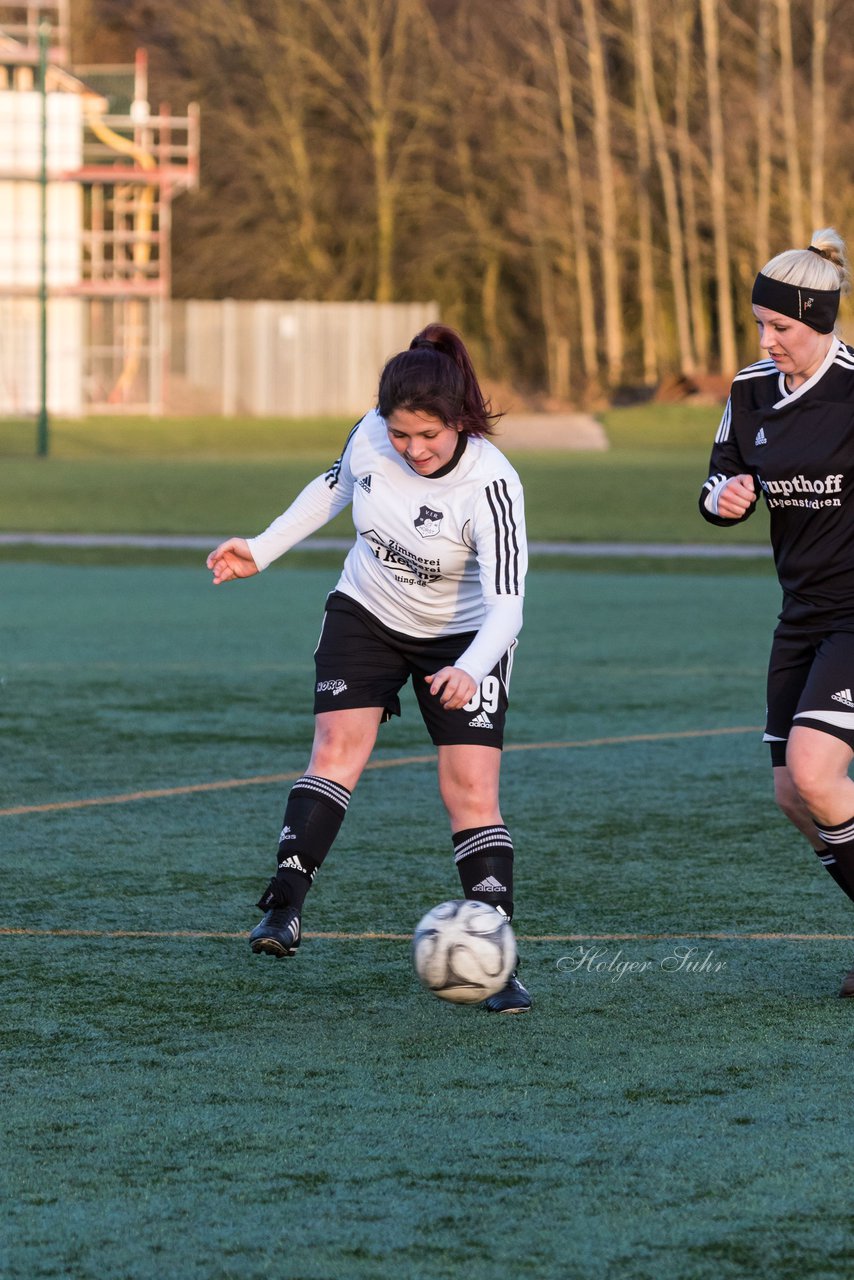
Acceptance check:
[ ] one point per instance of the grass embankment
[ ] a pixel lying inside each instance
(212, 476)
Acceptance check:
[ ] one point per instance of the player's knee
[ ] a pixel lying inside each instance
(339, 751)
(331, 757)
(788, 801)
(469, 804)
(811, 778)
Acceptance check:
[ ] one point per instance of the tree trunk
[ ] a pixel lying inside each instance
(790, 124)
(607, 196)
(575, 197)
(726, 325)
(643, 54)
(556, 341)
(764, 135)
(646, 266)
(693, 245)
(819, 121)
(380, 139)
(488, 250)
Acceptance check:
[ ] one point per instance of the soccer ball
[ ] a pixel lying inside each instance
(463, 951)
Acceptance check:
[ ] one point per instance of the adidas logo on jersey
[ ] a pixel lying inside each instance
(365, 483)
(490, 885)
(761, 437)
(481, 722)
(844, 695)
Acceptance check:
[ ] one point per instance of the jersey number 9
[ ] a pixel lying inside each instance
(486, 696)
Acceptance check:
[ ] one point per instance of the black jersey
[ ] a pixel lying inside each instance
(799, 448)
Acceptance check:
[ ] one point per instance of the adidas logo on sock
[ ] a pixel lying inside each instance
(292, 864)
(481, 722)
(490, 885)
(286, 834)
(844, 695)
(761, 437)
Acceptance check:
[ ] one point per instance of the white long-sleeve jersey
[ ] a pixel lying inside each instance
(434, 555)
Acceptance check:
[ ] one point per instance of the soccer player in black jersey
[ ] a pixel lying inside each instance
(431, 590)
(787, 433)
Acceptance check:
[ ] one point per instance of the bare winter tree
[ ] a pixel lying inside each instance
(790, 121)
(726, 328)
(685, 14)
(645, 250)
(366, 56)
(585, 186)
(819, 113)
(609, 241)
(574, 190)
(676, 245)
(764, 108)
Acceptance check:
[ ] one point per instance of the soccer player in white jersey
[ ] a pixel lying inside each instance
(431, 590)
(788, 432)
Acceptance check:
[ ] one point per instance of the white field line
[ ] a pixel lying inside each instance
(191, 934)
(261, 780)
(196, 542)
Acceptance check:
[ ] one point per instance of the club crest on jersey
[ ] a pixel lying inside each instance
(429, 522)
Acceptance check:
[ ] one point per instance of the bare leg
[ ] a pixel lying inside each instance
(343, 742)
(468, 783)
(818, 766)
(792, 805)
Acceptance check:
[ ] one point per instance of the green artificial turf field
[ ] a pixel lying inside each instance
(174, 1106)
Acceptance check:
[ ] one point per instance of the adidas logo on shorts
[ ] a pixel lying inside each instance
(844, 695)
(481, 722)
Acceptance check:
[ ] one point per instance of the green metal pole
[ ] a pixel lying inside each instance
(43, 425)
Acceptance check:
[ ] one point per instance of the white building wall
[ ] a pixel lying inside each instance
(20, 252)
(20, 347)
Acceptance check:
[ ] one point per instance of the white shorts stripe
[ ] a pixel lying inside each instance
(841, 719)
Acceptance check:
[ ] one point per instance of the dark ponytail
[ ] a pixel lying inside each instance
(436, 376)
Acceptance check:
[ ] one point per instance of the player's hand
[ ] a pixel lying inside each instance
(231, 559)
(737, 495)
(453, 686)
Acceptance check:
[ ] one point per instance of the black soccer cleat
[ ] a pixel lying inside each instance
(513, 998)
(278, 934)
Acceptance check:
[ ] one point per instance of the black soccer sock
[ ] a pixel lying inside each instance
(838, 859)
(313, 817)
(484, 858)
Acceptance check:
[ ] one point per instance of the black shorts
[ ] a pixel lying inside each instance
(361, 663)
(810, 683)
